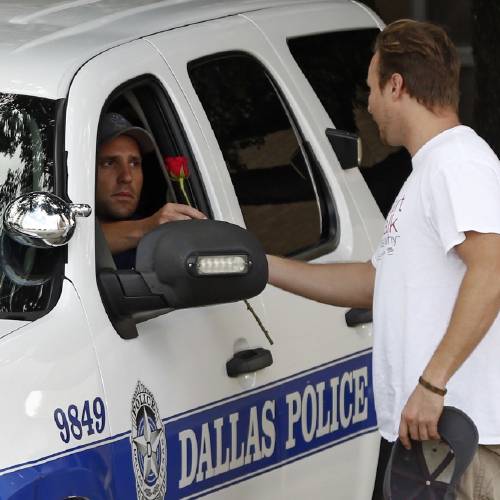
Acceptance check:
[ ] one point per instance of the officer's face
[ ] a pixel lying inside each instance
(119, 178)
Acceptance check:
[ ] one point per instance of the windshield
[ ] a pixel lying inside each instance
(27, 129)
(26, 144)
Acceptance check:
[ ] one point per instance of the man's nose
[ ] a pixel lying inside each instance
(125, 173)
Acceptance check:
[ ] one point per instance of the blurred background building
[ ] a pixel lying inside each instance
(472, 25)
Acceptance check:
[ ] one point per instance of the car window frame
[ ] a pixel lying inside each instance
(330, 231)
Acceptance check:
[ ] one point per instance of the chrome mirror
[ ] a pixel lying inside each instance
(42, 220)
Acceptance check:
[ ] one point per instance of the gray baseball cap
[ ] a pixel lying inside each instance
(112, 125)
(432, 469)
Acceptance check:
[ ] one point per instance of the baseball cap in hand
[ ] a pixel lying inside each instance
(431, 469)
(113, 125)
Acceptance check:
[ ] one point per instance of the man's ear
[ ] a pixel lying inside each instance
(396, 86)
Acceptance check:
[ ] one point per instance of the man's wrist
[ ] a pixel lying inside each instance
(441, 391)
(148, 224)
(438, 372)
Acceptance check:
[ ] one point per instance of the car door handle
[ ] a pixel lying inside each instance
(355, 317)
(248, 361)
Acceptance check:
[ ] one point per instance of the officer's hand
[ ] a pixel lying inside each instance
(420, 416)
(176, 211)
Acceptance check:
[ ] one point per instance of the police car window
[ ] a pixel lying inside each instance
(336, 65)
(145, 103)
(274, 182)
(29, 278)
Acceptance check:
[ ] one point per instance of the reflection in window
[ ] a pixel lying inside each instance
(271, 177)
(336, 66)
(26, 165)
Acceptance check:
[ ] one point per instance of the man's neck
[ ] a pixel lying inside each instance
(423, 125)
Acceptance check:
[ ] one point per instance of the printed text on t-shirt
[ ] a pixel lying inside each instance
(391, 233)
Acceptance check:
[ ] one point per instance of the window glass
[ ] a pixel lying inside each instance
(144, 103)
(275, 183)
(27, 275)
(336, 66)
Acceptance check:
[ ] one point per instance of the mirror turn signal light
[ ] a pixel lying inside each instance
(210, 265)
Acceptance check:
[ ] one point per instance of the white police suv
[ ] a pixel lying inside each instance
(158, 381)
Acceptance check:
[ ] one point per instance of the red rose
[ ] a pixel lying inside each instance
(177, 166)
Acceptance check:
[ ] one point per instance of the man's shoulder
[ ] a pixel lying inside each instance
(464, 154)
(465, 145)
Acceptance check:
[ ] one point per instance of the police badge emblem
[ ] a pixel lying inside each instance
(149, 446)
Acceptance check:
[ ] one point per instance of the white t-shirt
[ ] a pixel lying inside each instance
(454, 187)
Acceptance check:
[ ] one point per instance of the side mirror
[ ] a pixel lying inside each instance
(347, 147)
(201, 262)
(184, 264)
(42, 220)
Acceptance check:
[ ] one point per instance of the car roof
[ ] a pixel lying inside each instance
(44, 43)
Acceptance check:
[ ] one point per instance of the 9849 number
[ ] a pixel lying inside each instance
(73, 422)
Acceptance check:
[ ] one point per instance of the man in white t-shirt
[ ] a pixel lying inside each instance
(434, 281)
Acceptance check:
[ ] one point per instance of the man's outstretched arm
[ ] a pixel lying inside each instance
(126, 234)
(344, 285)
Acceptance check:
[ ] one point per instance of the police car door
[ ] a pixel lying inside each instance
(53, 419)
(181, 426)
(282, 180)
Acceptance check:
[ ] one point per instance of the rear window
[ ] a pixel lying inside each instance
(336, 66)
(279, 187)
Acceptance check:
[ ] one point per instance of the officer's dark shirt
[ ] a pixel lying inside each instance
(125, 260)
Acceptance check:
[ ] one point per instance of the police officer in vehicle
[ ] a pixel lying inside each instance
(120, 149)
